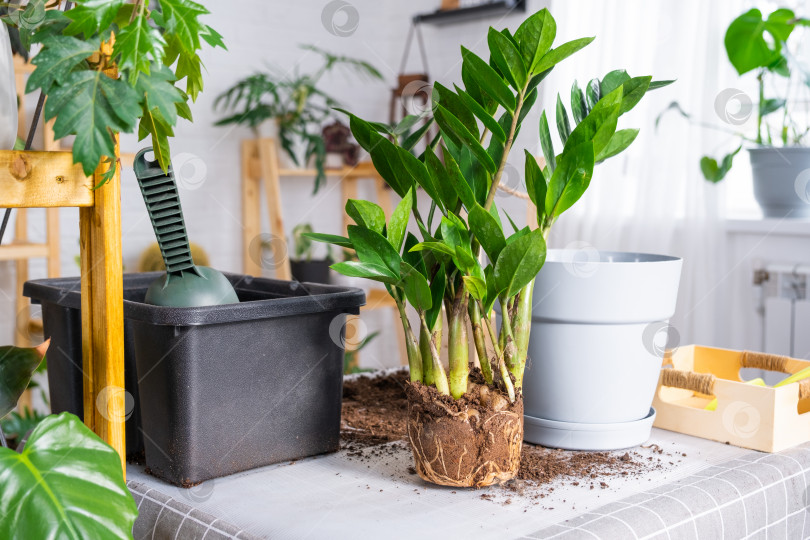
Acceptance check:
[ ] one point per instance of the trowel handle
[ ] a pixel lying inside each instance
(159, 192)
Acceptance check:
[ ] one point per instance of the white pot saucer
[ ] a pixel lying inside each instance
(576, 436)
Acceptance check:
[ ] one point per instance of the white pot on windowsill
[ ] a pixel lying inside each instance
(8, 94)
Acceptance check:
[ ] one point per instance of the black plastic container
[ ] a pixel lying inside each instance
(315, 271)
(227, 388)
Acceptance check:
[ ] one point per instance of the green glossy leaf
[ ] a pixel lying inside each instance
(450, 124)
(714, 172)
(333, 239)
(563, 125)
(546, 144)
(17, 366)
(535, 183)
(488, 79)
(366, 214)
(153, 124)
(472, 87)
(160, 93)
(617, 144)
(180, 18)
(399, 221)
(375, 272)
(372, 247)
(416, 287)
(654, 85)
(89, 16)
(458, 182)
(477, 287)
(437, 247)
(414, 258)
(600, 124)
(441, 179)
(612, 81)
(489, 122)
(570, 179)
(411, 140)
(632, 92)
(519, 263)
(578, 106)
(535, 36)
(417, 170)
(448, 99)
(557, 55)
(745, 42)
(66, 483)
(592, 93)
(769, 106)
(508, 59)
(492, 290)
(487, 231)
(437, 286)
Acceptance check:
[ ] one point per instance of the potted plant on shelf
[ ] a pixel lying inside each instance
(304, 268)
(779, 158)
(466, 427)
(295, 104)
(62, 481)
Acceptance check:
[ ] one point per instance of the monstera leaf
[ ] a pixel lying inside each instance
(17, 365)
(66, 483)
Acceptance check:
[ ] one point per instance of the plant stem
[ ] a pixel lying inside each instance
(3, 441)
(759, 105)
(425, 336)
(458, 350)
(411, 345)
(521, 327)
(507, 380)
(439, 376)
(506, 149)
(480, 341)
(509, 349)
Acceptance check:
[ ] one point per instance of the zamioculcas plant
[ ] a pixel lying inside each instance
(465, 427)
(154, 46)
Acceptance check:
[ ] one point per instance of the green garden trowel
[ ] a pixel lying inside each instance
(185, 284)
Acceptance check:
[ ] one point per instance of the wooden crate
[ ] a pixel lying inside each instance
(756, 417)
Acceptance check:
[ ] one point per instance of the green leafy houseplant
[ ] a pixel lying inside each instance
(304, 267)
(295, 102)
(153, 51)
(460, 171)
(65, 482)
(759, 45)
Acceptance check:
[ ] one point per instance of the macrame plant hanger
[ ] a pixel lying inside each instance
(414, 86)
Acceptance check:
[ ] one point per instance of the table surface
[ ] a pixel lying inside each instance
(713, 491)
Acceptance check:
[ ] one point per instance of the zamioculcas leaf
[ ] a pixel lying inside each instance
(414, 258)
(489, 122)
(341, 241)
(477, 287)
(535, 36)
(578, 106)
(654, 85)
(519, 262)
(612, 81)
(458, 181)
(451, 125)
(437, 286)
(633, 90)
(17, 366)
(492, 290)
(372, 247)
(366, 270)
(563, 126)
(546, 144)
(570, 179)
(535, 183)
(437, 247)
(441, 179)
(411, 140)
(66, 483)
(399, 221)
(618, 143)
(555, 56)
(454, 104)
(416, 287)
(600, 124)
(366, 214)
(487, 231)
(592, 93)
(507, 58)
(488, 79)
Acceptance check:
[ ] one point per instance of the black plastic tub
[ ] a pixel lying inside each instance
(227, 388)
(316, 271)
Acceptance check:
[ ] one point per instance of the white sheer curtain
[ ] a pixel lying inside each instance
(653, 197)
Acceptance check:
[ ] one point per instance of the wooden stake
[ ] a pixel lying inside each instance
(251, 211)
(268, 160)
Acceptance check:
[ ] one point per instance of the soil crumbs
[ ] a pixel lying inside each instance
(375, 412)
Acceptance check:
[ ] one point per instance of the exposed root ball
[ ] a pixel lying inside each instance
(474, 441)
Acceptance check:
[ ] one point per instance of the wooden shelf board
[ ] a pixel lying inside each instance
(378, 298)
(43, 180)
(23, 250)
(362, 169)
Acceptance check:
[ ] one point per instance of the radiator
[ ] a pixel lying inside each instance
(785, 308)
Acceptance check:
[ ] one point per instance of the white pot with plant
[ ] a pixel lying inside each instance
(8, 95)
(303, 264)
(293, 106)
(780, 159)
(466, 426)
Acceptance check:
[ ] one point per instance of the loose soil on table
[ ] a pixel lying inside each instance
(375, 411)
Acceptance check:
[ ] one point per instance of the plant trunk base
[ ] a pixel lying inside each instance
(474, 441)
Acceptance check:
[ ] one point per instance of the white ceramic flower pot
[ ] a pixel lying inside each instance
(596, 347)
(8, 93)
(782, 180)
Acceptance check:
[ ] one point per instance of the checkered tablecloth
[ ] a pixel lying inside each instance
(714, 491)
